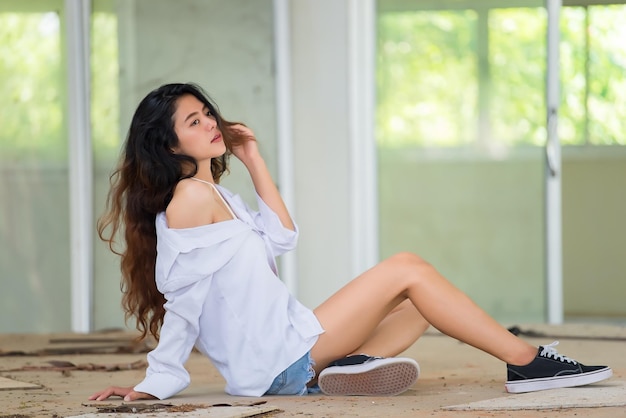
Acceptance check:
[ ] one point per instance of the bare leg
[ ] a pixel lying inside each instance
(397, 332)
(359, 315)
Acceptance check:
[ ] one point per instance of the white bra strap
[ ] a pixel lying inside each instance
(218, 193)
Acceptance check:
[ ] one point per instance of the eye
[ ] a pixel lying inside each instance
(210, 114)
(195, 122)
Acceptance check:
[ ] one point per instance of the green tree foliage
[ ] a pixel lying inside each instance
(33, 74)
(426, 78)
(607, 86)
(105, 107)
(593, 69)
(31, 121)
(477, 77)
(517, 68)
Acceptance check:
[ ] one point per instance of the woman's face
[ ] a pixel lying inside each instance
(197, 131)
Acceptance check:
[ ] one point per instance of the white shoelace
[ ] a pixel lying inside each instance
(550, 352)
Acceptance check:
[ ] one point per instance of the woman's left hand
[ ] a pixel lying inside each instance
(125, 392)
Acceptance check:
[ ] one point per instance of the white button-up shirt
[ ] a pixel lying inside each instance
(224, 297)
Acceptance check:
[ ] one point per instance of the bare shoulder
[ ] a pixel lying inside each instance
(192, 205)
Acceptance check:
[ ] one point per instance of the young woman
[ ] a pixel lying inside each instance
(198, 270)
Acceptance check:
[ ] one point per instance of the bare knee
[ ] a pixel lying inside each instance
(411, 266)
(408, 260)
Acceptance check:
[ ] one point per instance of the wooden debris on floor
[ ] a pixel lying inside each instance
(256, 409)
(66, 366)
(10, 384)
(85, 345)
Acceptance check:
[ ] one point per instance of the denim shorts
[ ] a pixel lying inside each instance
(293, 380)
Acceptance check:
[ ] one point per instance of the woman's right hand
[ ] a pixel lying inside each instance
(127, 393)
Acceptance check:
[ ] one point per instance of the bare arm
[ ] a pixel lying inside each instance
(248, 154)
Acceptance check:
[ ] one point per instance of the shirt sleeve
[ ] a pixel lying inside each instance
(166, 374)
(281, 239)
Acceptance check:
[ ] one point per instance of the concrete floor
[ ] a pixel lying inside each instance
(452, 374)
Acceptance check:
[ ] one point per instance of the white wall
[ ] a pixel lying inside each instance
(321, 132)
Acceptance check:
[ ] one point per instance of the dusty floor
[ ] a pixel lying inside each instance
(451, 374)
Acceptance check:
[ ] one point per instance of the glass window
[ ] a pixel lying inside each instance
(517, 71)
(30, 64)
(34, 184)
(467, 76)
(105, 105)
(461, 95)
(107, 139)
(426, 74)
(593, 70)
(34, 222)
(461, 120)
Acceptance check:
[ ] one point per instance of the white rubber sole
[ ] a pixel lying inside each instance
(378, 377)
(532, 385)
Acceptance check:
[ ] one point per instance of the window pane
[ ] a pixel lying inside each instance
(426, 78)
(573, 110)
(458, 92)
(30, 68)
(34, 222)
(105, 98)
(593, 75)
(517, 66)
(593, 70)
(105, 125)
(607, 70)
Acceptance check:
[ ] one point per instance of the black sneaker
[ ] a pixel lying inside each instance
(551, 370)
(368, 376)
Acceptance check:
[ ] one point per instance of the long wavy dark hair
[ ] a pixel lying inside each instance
(142, 185)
